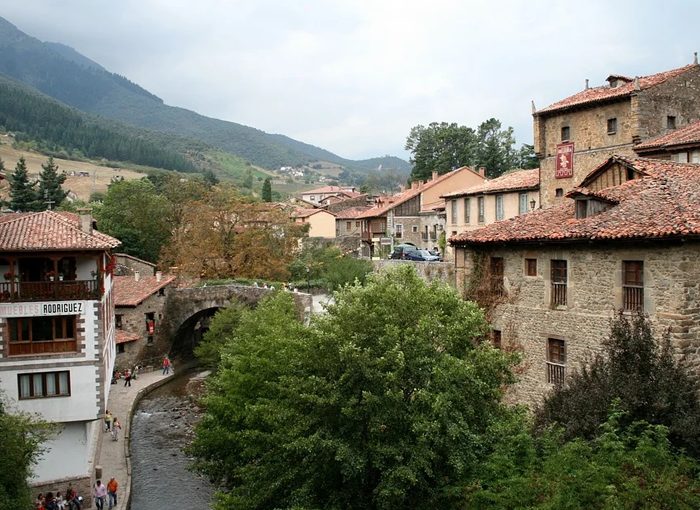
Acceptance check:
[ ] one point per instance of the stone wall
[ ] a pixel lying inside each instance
(133, 320)
(429, 271)
(594, 294)
(127, 264)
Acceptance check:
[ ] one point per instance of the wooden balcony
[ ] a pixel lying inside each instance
(556, 373)
(558, 294)
(47, 347)
(632, 298)
(13, 292)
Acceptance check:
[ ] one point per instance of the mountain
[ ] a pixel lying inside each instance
(64, 74)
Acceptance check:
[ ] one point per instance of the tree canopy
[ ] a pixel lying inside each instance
(50, 194)
(22, 189)
(373, 406)
(266, 191)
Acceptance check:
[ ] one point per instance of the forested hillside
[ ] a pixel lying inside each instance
(60, 129)
(64, 74)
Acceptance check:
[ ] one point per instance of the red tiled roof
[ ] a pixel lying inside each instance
(49, 230)
(305, 213)
(512, 181)
(327, 189)
(663, 203)
(129, 292)
(122, 336)
(351, 212)
(595, 94)
(688, 135)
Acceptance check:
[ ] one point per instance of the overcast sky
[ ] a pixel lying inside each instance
(354, 76)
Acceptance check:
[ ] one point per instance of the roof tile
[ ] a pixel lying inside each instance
(129, 292)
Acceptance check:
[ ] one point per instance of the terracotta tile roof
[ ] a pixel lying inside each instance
(327, 189)
(388, 203)
(512, 181)
(129, 292)
(663, 203)
(122, 336)
(351, 212)
(49, 230)
(688, 135)
(305, 213)
(595, 94)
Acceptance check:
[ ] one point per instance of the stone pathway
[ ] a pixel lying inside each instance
(114, 456)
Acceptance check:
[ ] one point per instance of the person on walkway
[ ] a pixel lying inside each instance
(108, 421)
(49, 502)
(166, 365)
(116, 427)
(127, 378)
(74, 501)
(112, 486)
(100, 494)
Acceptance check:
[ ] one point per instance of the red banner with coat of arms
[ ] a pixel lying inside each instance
(564, 161)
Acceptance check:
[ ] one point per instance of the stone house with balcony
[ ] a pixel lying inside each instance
(415, 215)
(627, 238)
(57, 331)
(576, 134)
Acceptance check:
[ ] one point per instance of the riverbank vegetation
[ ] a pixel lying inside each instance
(393, 400)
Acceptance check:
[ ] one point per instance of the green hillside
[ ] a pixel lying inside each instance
(64, 74)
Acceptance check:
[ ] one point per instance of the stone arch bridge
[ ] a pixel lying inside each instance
(187, 312)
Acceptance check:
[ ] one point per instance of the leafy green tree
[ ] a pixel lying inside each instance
(440, 147)
(267, 190)
(221, 330)
(139, 217)
(624, 467)
(50, 194)
(646, 379)
(373, 406)
(328, 266)
(526, 157)
(495, 148)
(21, 437)
(23, 196)
(248, 179)
(209, 178)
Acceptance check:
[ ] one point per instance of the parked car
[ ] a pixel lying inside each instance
(421, 255)
(401, 251)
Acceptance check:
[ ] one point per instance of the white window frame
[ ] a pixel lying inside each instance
(522, 203)
(499, 207)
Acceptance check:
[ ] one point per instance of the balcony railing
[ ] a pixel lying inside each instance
(556, 373)
(558, 294)
(632, 298)
(12, 292)
(47, 347)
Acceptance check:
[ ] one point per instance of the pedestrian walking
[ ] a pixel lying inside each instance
(108, 421)
(112, 486)
(127, 378)
(116, 427)
(100, 494)
(166, 365)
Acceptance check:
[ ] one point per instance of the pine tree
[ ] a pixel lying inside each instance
(267, 190)
(22, 193)
(50, 194)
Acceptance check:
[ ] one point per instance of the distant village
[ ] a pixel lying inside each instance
(610, 221)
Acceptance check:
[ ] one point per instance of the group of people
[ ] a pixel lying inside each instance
(104, 492)
(112, 425)
(127, 375)
(67, 501)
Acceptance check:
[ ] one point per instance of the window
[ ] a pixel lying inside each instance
(612, 126)
(414, 229)
(496, 338)
(118, 321)
(41, 335)
(453, 211)
(522, 203)
(357, 224)
(556, 361)
(559, 275)
(499, 207)
(398, 230)
(480, 204)
(565, 133)
(121, 348)
(161, 291)
(559, 192)
(531, 267)
(312, 198)
(44, 385)
(671, 122)
(632, 285)
(581, 209)
(348, 225)
(496, 275)
(467, 210)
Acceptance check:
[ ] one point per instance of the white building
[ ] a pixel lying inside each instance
(57, 344)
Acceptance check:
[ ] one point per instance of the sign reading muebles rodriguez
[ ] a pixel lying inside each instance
(41, 309)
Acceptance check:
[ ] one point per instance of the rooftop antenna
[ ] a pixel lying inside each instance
(695, 57)
(48, 200)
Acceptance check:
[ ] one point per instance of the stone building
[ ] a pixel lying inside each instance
(681, 145)
(415, 215)
(139, 302)
(576, 134)
(628, 238)
(57, 329)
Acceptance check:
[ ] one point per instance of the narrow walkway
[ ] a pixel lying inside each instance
(113, 456)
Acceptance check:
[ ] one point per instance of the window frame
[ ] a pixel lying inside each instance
(497, 339)
(500, 208)
(59, 343)
(530, 267)
(556, 368)
(632, 287)
(31, 376)
(398, 230)
(454, 207)
(523, 203)
(671, 122)
(481, 207)
(559, 281)
(467, 210)
(565, 133)
(612, 125)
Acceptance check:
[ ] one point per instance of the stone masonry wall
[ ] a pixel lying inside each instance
(594, 293)
(133, 320)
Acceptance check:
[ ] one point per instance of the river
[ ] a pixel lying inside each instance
(161, 427)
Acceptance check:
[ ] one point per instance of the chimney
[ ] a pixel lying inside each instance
(482, 171)
(587, 87)
(695, 58)
(434, 175)
(159, 276)
(137, 276)
(636, 83)
(532, 102)
(85, 220)
(414, 184)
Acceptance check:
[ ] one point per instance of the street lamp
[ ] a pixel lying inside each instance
(532, 204)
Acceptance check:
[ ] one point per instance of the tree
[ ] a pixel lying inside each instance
(648, 382)
(440, 147)
(221, 330)
(495, 148)
(328, 265)
(23, 196)
(267, 190)
(248, 179)
(21, 437)
(373, 406)
(139, 217)
(527, 158)
(50, 194)
(209, 178)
